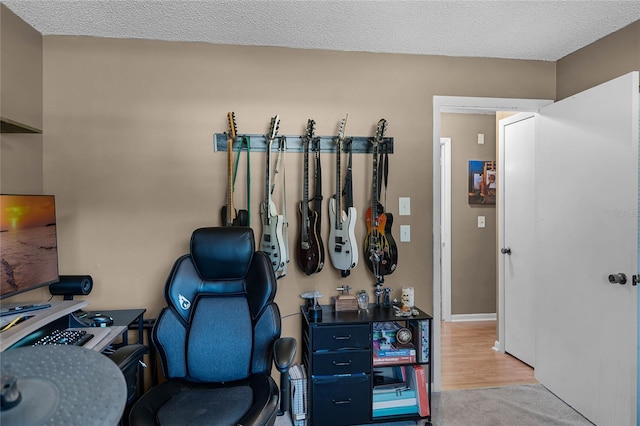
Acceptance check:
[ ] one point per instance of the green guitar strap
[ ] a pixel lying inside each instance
(245, 141)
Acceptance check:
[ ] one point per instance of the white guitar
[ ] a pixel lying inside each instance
(343, 250)
(273, 243)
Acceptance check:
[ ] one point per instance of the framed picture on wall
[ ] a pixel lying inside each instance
(482, 182)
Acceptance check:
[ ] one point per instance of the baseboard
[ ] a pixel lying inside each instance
(474, 317)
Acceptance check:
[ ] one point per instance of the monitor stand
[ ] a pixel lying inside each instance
(18, 308)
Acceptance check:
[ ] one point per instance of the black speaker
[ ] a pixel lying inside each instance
(70, 285)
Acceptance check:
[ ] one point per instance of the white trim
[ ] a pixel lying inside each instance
(445, 227)
(440, 102)
(474, 317)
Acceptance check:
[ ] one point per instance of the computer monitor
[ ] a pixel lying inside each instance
(28, 243)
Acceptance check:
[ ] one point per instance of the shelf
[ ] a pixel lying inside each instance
(10, 126)
(360, 144)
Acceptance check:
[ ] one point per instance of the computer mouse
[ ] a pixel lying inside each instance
(100, 320)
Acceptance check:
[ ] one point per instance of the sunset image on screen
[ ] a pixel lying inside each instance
(21, 212)
(28, 242)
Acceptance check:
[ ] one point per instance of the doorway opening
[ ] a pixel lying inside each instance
(455, 104)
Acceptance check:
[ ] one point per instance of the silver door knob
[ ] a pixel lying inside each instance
(505, 250)
(619, 278)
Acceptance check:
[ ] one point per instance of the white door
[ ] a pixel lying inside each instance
(516, 169)
(587, 228)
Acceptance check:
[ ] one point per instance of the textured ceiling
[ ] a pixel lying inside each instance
(534, 29)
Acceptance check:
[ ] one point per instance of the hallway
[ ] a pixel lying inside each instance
(469, 361)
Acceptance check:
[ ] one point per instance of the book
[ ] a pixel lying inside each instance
(397, 395)
(417, 380)
(392, 360)
(420, 331)
(392, 387)
(400, 373)
(395, 411)
(392, 403)
(393, 356)
(395, 352)
(385, 332)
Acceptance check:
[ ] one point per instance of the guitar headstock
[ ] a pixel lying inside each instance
(308, 134)
(380, 129)
(343, 126)
(231, 117)
(273, 128)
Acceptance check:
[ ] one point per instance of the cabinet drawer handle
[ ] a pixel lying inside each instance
(342, 337)
(341, 363)
(344, 401)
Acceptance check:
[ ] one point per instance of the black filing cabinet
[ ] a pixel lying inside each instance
(338, 359)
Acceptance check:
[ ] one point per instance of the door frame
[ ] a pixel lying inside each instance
(458, 104)
(445, 227)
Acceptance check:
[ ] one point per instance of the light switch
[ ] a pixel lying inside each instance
(405, 233)
(480, 138)
(404, 208)
(480, 221)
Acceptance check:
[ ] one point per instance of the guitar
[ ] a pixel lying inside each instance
(379, 245)
(272, 223)
(342, 250)
(229, 215)
(309, 246)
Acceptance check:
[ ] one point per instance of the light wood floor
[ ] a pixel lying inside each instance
(469, 361)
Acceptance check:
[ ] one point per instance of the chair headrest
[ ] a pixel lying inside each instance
(222, 252)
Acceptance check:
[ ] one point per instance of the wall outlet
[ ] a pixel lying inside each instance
(404, 207)
(405, 233)
(481, 222)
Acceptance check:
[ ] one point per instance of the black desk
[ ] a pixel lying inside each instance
(126, 317)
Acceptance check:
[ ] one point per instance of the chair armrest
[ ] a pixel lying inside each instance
(284, 351)
(128, 354)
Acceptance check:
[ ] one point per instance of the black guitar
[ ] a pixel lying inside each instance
(380, 250)
(229, 215)
(308, 249)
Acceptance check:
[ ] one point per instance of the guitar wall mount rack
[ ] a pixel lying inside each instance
(359, 144)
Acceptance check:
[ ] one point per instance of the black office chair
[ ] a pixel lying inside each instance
(218, 336)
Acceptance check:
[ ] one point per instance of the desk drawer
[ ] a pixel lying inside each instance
(341, 362)
(341, 337)
(341, 401)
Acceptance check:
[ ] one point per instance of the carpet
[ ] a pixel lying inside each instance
(521, 405)
(503, 406)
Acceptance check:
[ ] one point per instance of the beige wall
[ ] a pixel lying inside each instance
(473, 259)
(128, 148)
(606, 59)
